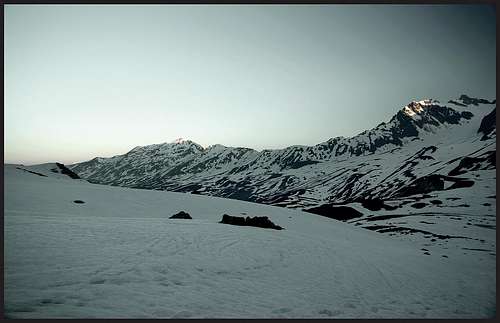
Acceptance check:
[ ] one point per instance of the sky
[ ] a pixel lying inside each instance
(82, 81)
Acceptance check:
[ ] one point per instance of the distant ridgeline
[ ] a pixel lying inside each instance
(427, 146)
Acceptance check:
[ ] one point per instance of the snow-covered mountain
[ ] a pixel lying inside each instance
(424, 138)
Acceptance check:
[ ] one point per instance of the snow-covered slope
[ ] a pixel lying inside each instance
(431, 157)
(118, 255)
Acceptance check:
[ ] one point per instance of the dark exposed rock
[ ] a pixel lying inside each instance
(31, 172)
(66, 171)
(238, 194)
(419, 205)
(342, 213)
(457, 103)
(377, 227)
(488, 124)
(474, 101)
(385, 217)
(375, 204)
(257, 221)
(461, 184)
(181, 215)
(188, 188)
(421, 185)
(302, 163)
(280, 198)
(261, 222)
(467, 115)
(484, 161)
(436, 202)
(234, 220)
(78, 201)
(430, 183)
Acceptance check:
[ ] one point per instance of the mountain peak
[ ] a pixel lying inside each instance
(416, 107)
(185, 142)
(180, 141)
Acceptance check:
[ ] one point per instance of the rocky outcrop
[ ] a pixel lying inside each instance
(431, 183)
(257, 221)
(488, 124)
(484, 161)
(66, 171)
(342, 213)
(423, 185)
(474, 101)
(375, 204)
(181, 215)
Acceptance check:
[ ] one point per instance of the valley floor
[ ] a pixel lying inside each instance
(118, 255)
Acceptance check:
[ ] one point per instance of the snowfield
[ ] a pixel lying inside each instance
(119, 256)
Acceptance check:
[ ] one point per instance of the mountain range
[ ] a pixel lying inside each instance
(426, 176)
(421, 149)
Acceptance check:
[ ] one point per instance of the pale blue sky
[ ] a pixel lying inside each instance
(84, 81)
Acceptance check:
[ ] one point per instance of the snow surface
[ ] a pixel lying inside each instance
(118, 255)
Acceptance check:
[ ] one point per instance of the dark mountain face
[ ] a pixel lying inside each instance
(431, 114)
(488, 124)
(375, 164)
